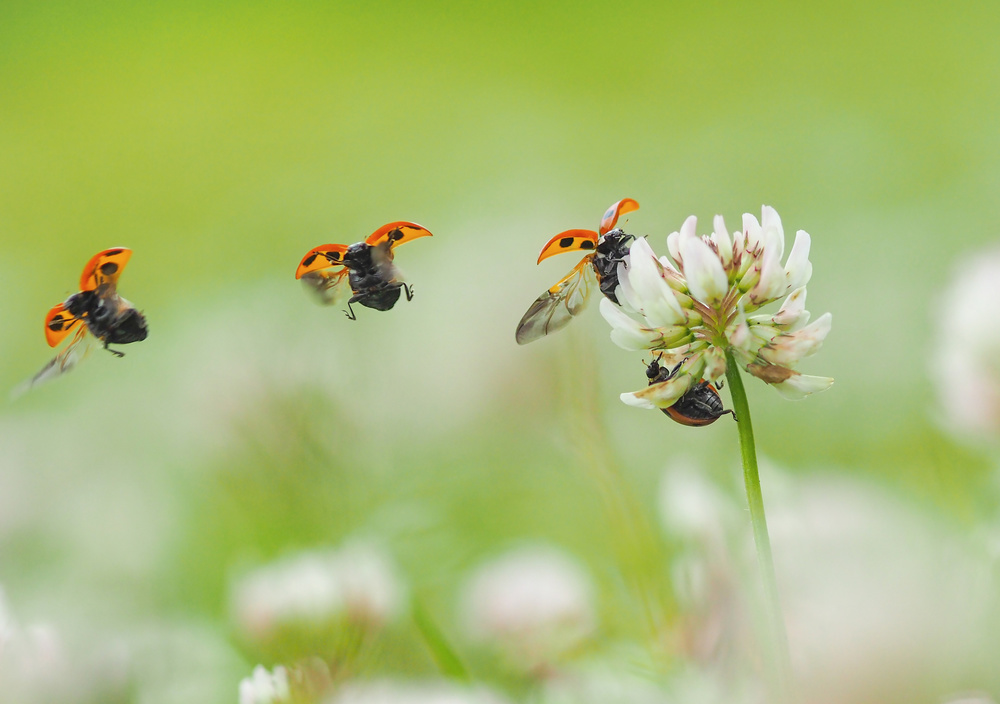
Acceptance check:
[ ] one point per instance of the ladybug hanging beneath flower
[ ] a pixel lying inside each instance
(699, 405)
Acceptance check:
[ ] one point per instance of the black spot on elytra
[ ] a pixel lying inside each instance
(56, 324)
(396, 234)
(565, 242)
(587, 244)
(113, 252)
(333, 256)
(109, 268)
(309, 260)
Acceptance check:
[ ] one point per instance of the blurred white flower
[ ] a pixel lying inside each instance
(971, 698)
(36, 667)
(534, 604)
(355, 586)
(897, 597)
(387, 692)
(965, 364)
(703, 520)
(692, 507)
(264, 687)
(603, 685)
(694, 309)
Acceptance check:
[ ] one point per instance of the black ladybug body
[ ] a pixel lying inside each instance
(700, 404)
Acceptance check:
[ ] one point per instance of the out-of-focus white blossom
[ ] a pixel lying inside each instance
(692, 507)
(971, 698)
(534, 604)
(36, 667)
(901, 598)
(965, 364)
(703, 520)
(602, 685)
(264, 687)
(695, 308)
(318, 592)
(388, 692)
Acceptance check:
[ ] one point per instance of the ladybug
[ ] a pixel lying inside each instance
(608, 247)
(98, 309)
(700, 405)
(365, 267)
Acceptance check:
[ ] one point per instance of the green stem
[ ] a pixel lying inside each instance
(775, 621)
(444, 655)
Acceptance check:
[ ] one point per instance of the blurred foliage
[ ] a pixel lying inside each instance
(221, 141)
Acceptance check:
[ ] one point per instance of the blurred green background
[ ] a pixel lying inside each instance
(221, 141)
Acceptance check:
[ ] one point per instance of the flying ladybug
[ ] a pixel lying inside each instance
(557, 306)
(700, 405)
(366, 267)
(97, 309)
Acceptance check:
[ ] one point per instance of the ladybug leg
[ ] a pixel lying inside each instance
(409, 291)
(116, 353)
(676, 368)
(350, 311)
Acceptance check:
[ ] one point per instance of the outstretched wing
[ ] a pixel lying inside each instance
(323, 257)
(569, 241)
(557, 306)
(323, 274)
(104, 268)
(74, 353)
(397, 233)
(611, 215)
(58, 324)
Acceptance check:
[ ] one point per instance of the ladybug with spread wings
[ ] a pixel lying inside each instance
(366, 267)
(97, 309)
(557, 306)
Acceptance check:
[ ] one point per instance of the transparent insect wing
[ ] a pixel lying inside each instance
(328, 286)
(611, 215)
(382, 257)
(75, 352)
(556, 307)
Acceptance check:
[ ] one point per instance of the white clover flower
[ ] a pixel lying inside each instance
(264, 687)
(534, 604)
(966, 361)
(318, 591)
(37, 666)
(390, 692)
(692, 508)
(694, 308)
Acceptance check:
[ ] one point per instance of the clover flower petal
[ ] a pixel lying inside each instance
(798, 269)
(661, 395)
(723, 243)
(798, 386)
(787, 349)
(651, 294)
(626, 332)
(791, 316)
(705, 277)
(264, 687)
